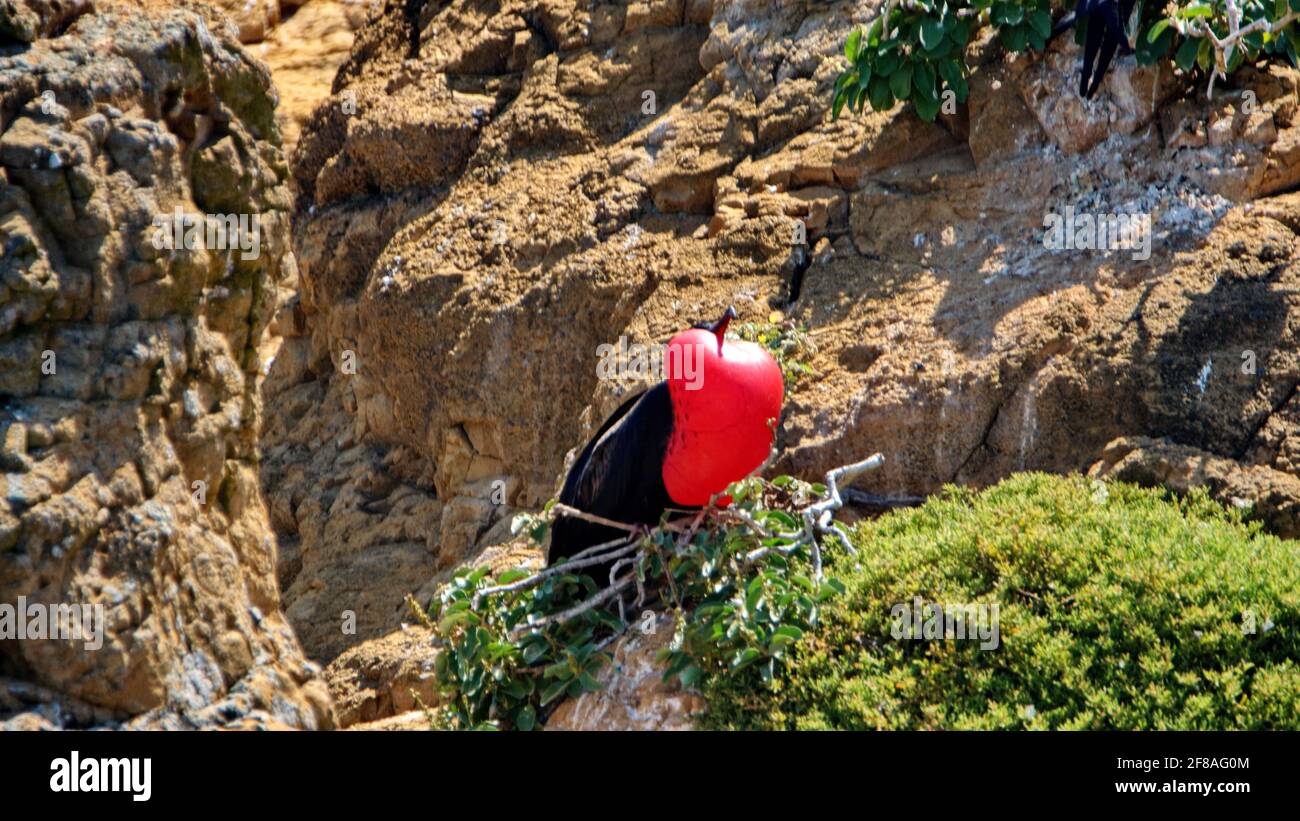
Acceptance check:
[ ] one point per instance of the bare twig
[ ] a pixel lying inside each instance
(564, 510)
(634, 548)
(1226, 45)
(578, 609)
(559, 569)
(817, 517)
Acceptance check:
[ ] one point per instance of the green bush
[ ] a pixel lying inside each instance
(1120, 607)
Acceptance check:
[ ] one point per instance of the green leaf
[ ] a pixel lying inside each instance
(1041, 21)
(1157, 30)
(900, 82)
(852, 44)
(950, 71)
(931, 34)
(1013, 38)
(959, 32)
(864, 79)
(1185, 58)
(860, 99)
(534, 650)
(456, 619)
(1007, 14)
(1192, 12)
(753, 593)
(779, 518)
(1149, 51)
(520, 523)
(1205, 55)
(553, 691)
(526, 719)
(887, 64)
(690, 676)
(790, 632)
(1235, 60)
(559, 669)
(927, 108)
(923, 80)
(511, 576)
(882, 99)
(538, 533)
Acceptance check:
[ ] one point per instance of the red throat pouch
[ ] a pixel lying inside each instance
(726, 397)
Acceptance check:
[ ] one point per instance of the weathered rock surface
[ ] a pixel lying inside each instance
(635, 696)
(521, 183)
(391, 674)
(129, 402)
(26, 20)
(1270, 494)
(304, 53)
(384, 677)
(254, 18)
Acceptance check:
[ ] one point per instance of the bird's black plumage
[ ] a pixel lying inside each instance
(618, 475)
(1105, 37)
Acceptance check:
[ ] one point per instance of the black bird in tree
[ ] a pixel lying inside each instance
(708, 424)
(1105, 36)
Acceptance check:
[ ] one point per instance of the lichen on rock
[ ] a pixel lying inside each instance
(129, 395)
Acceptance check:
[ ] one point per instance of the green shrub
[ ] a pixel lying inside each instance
(1119, 607)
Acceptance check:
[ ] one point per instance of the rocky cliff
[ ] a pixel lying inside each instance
(496, 189)
(490, 193)
(129, 369)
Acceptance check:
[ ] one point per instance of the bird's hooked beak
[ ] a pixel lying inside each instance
(719, 328)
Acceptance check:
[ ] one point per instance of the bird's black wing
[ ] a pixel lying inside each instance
(618, 475)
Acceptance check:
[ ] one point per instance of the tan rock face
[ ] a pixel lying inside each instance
(514, 189)
(254, 18)
(384, 677)
(128, 394)
(304, 53)
(635, 696)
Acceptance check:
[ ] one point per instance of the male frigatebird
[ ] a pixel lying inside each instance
(1105, 36)
(708, 424)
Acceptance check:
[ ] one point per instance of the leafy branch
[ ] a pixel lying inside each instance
(1215, 40)
(916, 49)
(744, 581)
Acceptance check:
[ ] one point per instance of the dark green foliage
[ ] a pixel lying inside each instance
(501, 666)
(923, 54)
(1119, 608)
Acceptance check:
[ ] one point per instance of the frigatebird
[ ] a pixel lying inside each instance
(1105, 36)
(674, 446)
